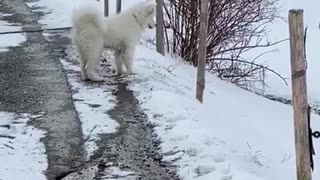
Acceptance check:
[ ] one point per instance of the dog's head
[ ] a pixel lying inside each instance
(146, 13)
(151, 13)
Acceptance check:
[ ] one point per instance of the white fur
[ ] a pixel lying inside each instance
(121, 32)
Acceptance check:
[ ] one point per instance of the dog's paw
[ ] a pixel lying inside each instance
(130, 72)
(84, 77)
(120, 71)
(95, 77)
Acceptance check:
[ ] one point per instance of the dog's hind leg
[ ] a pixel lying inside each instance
(128, 59)
(84, 75)
(119, 61)
(94, 54)
(82, 61)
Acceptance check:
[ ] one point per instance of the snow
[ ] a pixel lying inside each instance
(234, 135)
(9, 40)
(21, 145)
(109, 173)
(116, 173)
(92, 104)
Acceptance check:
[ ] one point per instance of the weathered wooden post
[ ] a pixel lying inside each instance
(202, 50)
(106, 8)
(118, 6)
(299, 94)
(160, 28)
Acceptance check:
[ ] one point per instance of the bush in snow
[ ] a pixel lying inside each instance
(235, 28)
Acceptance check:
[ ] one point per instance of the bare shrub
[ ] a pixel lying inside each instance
(235, 27)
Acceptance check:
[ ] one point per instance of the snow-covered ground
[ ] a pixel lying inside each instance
(9, 39)
(20, 143)
(234, 135)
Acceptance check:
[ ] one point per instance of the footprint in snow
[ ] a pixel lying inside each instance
(219, 167)
(220, 173)
(224, 170)
(219, 158)
(202, 170)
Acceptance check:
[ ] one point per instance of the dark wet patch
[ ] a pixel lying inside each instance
(135, 146)
(78, 100)
(7, 136)
(94, 105)
(62, 175)
(7, 126)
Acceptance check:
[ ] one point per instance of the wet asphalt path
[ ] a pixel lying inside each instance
(135, 146)
(33, 81)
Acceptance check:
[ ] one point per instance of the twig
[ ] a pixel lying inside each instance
(8, 146)
(35, 30)
(6, 136)
(252, 63)
(251, 47)
(5, 126)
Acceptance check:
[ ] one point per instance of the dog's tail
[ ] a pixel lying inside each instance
(85, 17)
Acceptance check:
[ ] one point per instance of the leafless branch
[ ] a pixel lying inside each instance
(235, 28)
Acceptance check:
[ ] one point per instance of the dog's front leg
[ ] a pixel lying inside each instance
(84, 75)
(119, 61)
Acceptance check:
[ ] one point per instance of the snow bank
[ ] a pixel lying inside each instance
(235, 134)
(22, 155)
(8, 40)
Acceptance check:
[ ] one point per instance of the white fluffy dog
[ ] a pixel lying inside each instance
(121, 32)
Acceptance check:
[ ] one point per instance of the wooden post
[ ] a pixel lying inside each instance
(118, 6)
(160, 28)
(106, 8)
(299, 94)
(202, 50)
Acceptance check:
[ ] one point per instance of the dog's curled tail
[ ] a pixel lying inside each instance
(85, 17)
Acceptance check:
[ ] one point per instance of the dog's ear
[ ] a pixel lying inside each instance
(151, 2)
(151, 7)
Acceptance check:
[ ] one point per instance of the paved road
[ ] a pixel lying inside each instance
(33, 81)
